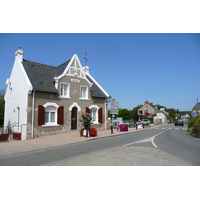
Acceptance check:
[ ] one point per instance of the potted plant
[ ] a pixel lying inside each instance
(86, 119)
(92, 132)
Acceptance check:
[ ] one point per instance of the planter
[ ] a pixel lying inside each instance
(4, 137)
(16, 136)
(122, 127)
(92, 132)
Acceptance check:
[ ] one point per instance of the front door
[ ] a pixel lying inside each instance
(74, 119)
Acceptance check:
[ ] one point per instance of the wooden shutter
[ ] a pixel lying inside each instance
(60, 119)
(87, 110)
(41, 115)
(100, 115)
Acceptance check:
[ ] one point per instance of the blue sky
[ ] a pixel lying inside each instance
(131, 67)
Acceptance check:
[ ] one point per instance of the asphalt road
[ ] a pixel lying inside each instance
(165, 142)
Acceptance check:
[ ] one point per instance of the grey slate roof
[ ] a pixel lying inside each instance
(61, 68)
(196, 107)
(95, 91)
(42, 76)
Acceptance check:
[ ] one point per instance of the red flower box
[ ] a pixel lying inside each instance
(92, 132)
(122, 127)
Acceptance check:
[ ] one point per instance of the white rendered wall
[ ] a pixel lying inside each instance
(16, 97)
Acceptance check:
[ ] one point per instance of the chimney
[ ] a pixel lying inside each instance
(146, 102)
(19, 54)
(151, 103)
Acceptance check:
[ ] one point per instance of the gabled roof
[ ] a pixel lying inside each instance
(61, 68)
(197, 106)
(163, 112)
(96, 90)
(43, 77)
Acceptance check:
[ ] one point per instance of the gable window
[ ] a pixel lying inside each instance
(84, 92)
(64, 90)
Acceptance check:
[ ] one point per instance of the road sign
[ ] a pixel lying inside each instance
(193, 113)
(140, 112)
(114, 112)
(114, 105)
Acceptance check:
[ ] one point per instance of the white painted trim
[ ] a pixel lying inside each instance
(50, 125)
(94, 106)
(98, 85)
(87, 91)
(97, 113)
(68, 91)
(75, 105)
(74, 58)
(51, 104)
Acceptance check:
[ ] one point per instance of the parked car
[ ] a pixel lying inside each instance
(128, 123)
(179, 122)
(145, 121)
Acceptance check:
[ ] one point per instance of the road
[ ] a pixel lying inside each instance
(164, 142)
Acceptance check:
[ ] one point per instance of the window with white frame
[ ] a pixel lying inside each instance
(84, 92)
(94, 115)
(50, 115)
(64, 90)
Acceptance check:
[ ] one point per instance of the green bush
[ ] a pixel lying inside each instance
(194, 125)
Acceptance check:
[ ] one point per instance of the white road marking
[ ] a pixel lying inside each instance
(151, 139)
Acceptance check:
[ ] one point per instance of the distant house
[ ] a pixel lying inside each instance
(149, 108)
(45, 100)
(196, 107)
(160, 116)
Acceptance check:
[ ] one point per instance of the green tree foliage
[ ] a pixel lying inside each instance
(194, 125)
(172, 113)
(134, 113)
(124, 113)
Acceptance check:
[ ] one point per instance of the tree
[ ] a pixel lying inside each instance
(134, 113)
(124, 113)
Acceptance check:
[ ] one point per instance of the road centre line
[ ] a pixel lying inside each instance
(151, 139)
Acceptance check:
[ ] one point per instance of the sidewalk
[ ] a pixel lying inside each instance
(18, 146)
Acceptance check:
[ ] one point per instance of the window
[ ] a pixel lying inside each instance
(64, 90)
(96, 113)
(84, 92)
(93, 114)
(50, 115)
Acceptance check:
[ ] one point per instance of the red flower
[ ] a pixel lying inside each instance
(92, 132)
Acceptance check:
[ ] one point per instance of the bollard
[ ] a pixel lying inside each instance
(111, 129)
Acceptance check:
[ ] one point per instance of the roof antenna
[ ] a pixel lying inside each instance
(85, 57)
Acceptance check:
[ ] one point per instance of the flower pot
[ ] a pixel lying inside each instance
(92, 132)
(16, 136)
